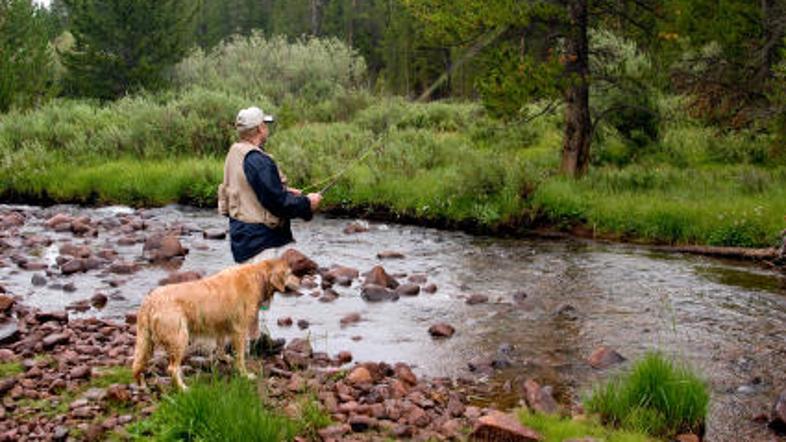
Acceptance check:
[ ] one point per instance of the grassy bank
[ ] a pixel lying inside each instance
(445, 163)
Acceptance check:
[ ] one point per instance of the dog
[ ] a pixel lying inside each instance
(219, 306)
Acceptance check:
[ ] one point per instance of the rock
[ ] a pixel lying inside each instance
(418, 278)
(98, 300)
(340, 275)
(359, 376)
(566, 312)
(441, 330)
(303, 324)
(455, 406)
(7, 356)
(299, 263)
(390, 254)
(540, 398)
(334, 432)
(79, 306)
(9, 331)
(60, 434)
(295, 360)
(380, 277)
(61, 317)
(69, 287)
(376, 293)
(6, 302)
(329, 295)
(6, 384)
(351, 318)
(481, 364)
(477, 298)
(130, 318)
(32, 266)
(162, 247)
(178, 277)
(124, 267)
(430, 288)
(53, 340)
(498, 426)
(360, 423)
(404, 374)
(60, 218)
(519, 296)
(302, 346)
(79, 372)
(286, 321)
(604, 357)
(358, 226)
(37, 280)
(214, 234)
(408, 289)
(344, 357)
(687, 437)
(778, 421)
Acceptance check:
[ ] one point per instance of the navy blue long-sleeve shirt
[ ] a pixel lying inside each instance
(248, 240)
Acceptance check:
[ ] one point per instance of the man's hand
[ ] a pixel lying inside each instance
(315, 199)
(294, 191)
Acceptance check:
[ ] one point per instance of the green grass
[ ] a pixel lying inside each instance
(215, 409)
(10, 369)
(557, 429)
(657, 397)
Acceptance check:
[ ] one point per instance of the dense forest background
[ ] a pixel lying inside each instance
(655, 119)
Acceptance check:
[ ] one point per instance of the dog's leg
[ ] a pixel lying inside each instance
(239, 345)
(220, 353)
(176, 352)
(142, 352)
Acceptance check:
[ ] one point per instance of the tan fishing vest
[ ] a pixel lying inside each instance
(236, 198)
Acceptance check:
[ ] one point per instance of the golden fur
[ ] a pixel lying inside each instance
(222, 305)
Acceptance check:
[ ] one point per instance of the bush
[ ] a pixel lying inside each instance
(657, 397)
(218, 410)
(313, 69)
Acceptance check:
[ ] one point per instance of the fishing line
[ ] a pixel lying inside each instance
(330, 181)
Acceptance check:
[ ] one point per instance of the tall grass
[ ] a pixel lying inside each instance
(218, 410)
(554, 428)
(657, 397)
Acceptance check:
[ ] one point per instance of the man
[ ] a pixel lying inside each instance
(254, 197)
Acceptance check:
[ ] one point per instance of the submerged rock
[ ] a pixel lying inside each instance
(376, 293)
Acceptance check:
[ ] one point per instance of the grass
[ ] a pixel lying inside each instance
(557, 429)
(10, 369)
(215, 409)
(657, 397)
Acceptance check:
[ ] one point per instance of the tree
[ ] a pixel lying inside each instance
(26, 72)
(542, 51)
(126, 45)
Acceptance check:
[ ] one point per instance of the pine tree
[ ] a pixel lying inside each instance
(126, 45)
(26, 73)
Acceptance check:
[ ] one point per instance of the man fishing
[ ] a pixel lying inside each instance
(254, 196)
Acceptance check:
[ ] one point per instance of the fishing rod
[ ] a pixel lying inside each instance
(332, 180)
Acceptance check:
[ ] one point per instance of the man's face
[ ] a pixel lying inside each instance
(264, 131)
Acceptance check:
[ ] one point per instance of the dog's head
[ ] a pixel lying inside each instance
(281, 276)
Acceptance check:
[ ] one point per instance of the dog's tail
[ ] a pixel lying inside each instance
(144, 344)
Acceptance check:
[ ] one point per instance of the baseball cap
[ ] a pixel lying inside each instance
(252, 117)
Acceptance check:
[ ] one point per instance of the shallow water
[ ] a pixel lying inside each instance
(727, 319)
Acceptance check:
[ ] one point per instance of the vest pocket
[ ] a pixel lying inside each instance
(223, 203)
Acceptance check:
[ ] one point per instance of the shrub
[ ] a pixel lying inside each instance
(313, 69)
(657, 397)
(219, 410)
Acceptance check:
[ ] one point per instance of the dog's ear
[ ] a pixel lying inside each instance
(278, 276)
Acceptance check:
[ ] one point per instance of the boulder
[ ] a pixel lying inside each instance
(540, 398)
(379, 276)
(502, 427)
(442, 330)
(376, 293)
(604, 357)
(299, 263)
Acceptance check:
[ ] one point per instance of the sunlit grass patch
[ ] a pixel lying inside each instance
(554, 428)
(656, 397)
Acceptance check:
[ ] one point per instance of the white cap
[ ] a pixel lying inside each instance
(251, 117)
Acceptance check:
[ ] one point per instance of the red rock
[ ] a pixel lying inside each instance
(344, 357)
(408, 289)
(124, 267)
(477, 298)
(380, 277)
(455, 406)
(503, 427)
(417, 416)
(430, 288)
(540, 399)
(351, 318)
(284, 322)
(359, 376)
(7, 356)
(55, 339)
(82, 371)
(162, 247)
(604, 357)
(299, 263)
(98, 300)
(329, 295)
(390, 254)
(377, 293)
(214, 234)
(441, 330)
(178, 277)
(6, 302)
(341, 275)
(60, 218)
(335, 431)
(405, 374)
(130, 318)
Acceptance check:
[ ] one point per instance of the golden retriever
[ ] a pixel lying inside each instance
(221, 305)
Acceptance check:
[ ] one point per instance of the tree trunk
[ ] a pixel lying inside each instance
(315, 22)
(578, 126)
